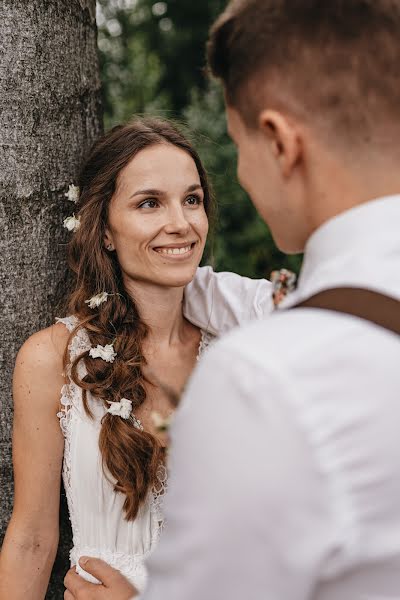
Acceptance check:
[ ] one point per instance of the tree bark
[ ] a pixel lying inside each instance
(49, 117)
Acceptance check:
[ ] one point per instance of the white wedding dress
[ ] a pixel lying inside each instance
(96, 511)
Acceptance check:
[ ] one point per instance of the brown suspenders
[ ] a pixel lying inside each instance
(365, 304)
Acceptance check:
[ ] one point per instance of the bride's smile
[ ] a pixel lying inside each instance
(176, 250)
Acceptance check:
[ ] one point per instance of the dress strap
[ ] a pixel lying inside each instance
(80, 343)
(71, 393)
(70, 322)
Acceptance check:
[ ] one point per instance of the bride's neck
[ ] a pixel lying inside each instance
(161, 309)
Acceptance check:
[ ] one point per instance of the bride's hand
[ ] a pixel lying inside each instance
(114, 585)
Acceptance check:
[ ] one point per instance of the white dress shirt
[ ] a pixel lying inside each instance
(285, 459)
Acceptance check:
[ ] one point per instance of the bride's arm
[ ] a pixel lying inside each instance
(220, 301)
(31, 540)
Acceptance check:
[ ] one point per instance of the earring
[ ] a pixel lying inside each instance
(110, 247)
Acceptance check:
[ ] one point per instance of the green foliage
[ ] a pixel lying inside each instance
(153, 61)
(131, 69)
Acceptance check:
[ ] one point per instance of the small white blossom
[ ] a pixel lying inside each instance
(72, 223)
(105, 352)
(96, 300)
(73, 193)
(121, 409)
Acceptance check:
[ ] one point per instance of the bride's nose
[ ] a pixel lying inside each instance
(177, 221)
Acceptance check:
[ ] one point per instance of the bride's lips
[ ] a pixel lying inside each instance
(176, 251)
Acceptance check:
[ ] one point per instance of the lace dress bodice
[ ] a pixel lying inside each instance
(96, 511)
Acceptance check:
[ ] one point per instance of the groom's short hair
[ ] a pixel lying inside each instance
(336, 56)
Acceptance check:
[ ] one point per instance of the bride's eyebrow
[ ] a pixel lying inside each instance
(194, 187)
(154, 192)
(149, 192)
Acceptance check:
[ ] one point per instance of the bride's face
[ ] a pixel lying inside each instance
(157, 224)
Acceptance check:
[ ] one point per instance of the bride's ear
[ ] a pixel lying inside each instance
(108, 241)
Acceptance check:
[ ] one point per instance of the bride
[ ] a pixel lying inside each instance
(103, 371)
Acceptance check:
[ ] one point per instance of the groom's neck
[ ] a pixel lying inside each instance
(339, 182)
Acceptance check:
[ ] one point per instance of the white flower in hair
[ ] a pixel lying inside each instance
(96, 300)
(105, 352)
(73, 193)
(72, 223)
(121, 409)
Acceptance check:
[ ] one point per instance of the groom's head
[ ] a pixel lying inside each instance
(313, 101)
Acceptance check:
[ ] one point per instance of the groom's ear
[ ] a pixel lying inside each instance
(283, 138)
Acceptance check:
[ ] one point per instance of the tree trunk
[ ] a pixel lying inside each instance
(49, 117)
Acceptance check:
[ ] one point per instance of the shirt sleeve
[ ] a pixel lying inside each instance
(217, 302)
(247, 511)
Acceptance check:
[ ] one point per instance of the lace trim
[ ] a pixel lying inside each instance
(157, 496)
(69, 322)
(80, 343)
(66, 416)
(64, 412)
(206, 339)
(130, 565)
(159, 491)
(70, 396)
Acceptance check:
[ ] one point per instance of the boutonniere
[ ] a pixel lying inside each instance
(283, 283)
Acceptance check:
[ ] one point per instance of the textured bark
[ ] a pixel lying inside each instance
(49, 117)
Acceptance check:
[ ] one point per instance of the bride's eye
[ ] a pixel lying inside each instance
(193, 200)
(148, 204)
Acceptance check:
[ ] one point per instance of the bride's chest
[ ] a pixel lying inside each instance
(170, 369)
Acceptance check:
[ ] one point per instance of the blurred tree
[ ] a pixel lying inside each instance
(153, 61)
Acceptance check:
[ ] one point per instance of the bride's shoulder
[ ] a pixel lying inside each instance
(43, 351)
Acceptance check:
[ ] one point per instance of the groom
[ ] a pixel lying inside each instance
(285, 462)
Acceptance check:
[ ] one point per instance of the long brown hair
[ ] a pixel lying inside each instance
(130, 456)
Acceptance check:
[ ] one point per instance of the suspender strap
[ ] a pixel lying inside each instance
(365, 304)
